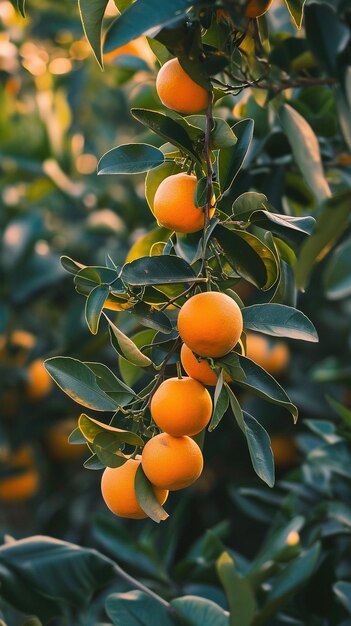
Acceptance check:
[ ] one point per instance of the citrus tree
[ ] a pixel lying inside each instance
(179, 285)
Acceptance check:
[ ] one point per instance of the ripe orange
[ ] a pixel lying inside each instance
(174, 206)
(57, 441)
(39, 382)
(23, 485)
(17, 348)
(181, 406)
(136, 48)
(256, 8)
(210, 323)
(272, 357)
(200, 370)
(118, 491)
(172, 462)
(178, 91)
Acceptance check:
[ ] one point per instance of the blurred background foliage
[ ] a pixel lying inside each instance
(58, 114)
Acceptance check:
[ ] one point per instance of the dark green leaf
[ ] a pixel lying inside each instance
(130, 158)
(92, 13)
(146, 497)
(279, 320)
(342, 590)
(295, 8)
(248, 256)
(70, 265)
(93, 463)
(91, 428)
(337, 275)
(142, 16)
(94, 305)
(167, 128)
(230, 160)
(291, 229)
(222, 135)
(326, 34)
(110, 384)
(158, 270)
(151, 318)
(219, 408)
(78, 381)
(126, 347)
(197, 611)
(106, 446)
(136, 608)
(260, 449)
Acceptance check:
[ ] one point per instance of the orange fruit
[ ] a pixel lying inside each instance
(174, 206)
(273, 357)
(118, 491)
(200, 370)
(181, 406)
(172, 462)
(23, 485)
(178, 91)
(136, 48)
(256, 8)
(57, 441)
(39, 382)
(210, 323)
(15, 351)
(284, 449)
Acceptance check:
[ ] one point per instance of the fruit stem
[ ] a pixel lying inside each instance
(209, 177)
(179, 370)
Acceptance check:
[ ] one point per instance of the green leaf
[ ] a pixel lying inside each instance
(337, 274)
(326, 34)
(132, 158)
(42, 575)
(76, 437)
(258, 441)
(92, 13)
(71, 266)
(341, 410)
(197, 611)
(200, 196)
(131, 374)
(279, 320)
(260, 449)
(93, 463)
(167, 128)
(294, 230)
(126, 347)
(110, 384)
(106, 446)
(90, 428)
(146, 497)
(248, 256)
(94, 305)
(154, 178)
(249, 375)
(142, 16)
(239, 594)
(295, 8)
(248, 202)
(222, 135)
(151, 318)
(78, 381)
(230, 160)
(21, 6)
(158, 270)
(342, 590)
(331, 223)
(136, 608)
(305, 148)
(220, 406)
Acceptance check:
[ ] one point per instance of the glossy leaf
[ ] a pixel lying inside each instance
(158, 270)
(79, 382)
(305, 147)
(230, 160)
(94, 305)
(167, 128)
(197, 611)
(260, 450)
(151, 318)
(240, 596)
(92, 13)
(90, 428)
(126, 347)
(248, 256)
(294, 230)
(110, 384)
(146, 497)
(106, 446)
(249, 375)
(141, 17)
(220, 406)
(136, 608)
(222, 135)
(132, 158)
(280, 321)
(342, 590)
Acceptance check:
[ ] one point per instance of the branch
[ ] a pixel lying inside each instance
(209, 175)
